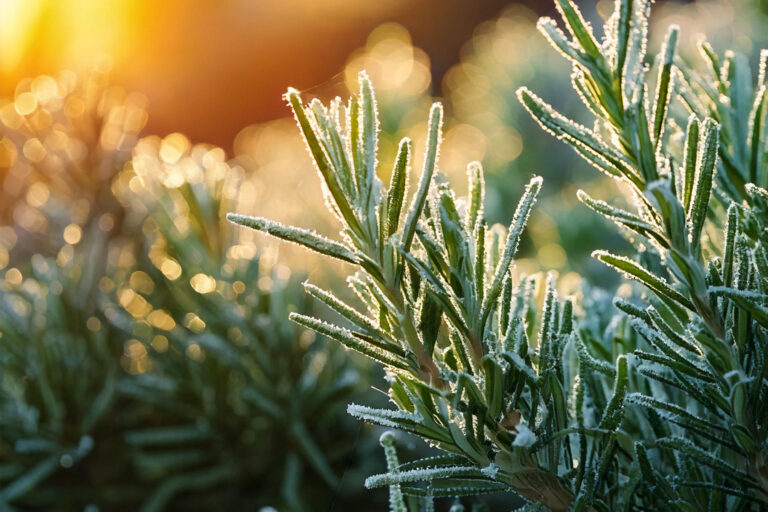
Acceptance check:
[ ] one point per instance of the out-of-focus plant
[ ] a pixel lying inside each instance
(58, 391)
(481, 93)
(475, 366)
(128, 378)
(251, 407)
(62, 141)
(735, 24)
(699, 222)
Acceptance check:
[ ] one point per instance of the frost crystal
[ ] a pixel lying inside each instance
(490, 470)
(525, 437)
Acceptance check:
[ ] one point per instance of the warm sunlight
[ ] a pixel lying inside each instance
(383, 255)
(75, 34)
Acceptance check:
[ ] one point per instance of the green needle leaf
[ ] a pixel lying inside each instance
(300, 236)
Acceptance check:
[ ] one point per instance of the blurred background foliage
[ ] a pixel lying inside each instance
(145, 356)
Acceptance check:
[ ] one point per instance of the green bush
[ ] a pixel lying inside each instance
(60, 374)
(59, 401)
(658, 407)
(250, 408)
(146, 361)
(700, 252)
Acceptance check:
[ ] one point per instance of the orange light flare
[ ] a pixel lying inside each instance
(208, 67)
(45, 36)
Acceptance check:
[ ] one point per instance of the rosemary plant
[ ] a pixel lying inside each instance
(475, 365)
(62, 414)
(515, 396)
(699, 227)
(127, 377)
(247, 407)
(60, 376)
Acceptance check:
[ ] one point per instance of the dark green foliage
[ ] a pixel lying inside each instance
(694, 160)
(656, 406)
(60, 405)
(249, 404)
(145, 360)
(60, 370)
(145, 363)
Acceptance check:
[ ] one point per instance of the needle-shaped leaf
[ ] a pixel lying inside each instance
(731, 228)
(305, 237)
(345, 337)
(705, 170)
(686, 447)
(355, 317)
(397, 186)
(622, 217)
(664, 85)
(689, 161)
(370, 138)
(563, 128)
(400, 420)
(396, 502)
(634, 271)
(757, 120)
(430, 161)
(322, 161)
(579, 28)
(615, 408)
(510, 246)
(476, 194)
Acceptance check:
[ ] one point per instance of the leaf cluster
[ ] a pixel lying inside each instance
(475, 364)
(692, 155)
(659, 406)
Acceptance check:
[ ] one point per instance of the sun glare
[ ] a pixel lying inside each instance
(52, 34)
